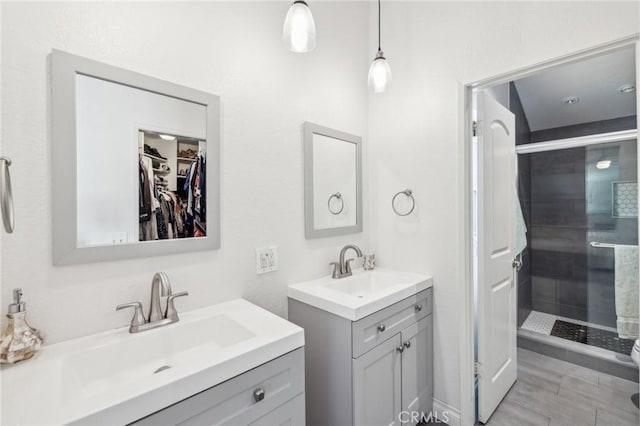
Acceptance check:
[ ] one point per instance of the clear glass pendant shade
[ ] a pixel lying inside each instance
(299, 33)
(379, 74)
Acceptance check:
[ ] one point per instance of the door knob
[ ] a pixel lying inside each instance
(516, 264)
(400, 349)
(418, 307)
(381, 328)
(407, 344)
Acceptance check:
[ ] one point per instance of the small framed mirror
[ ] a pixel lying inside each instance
(333, 181)
(135, 164)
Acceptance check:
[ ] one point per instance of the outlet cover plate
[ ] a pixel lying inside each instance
(266, 259)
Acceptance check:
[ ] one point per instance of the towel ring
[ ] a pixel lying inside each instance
(6, 195)
(337, 196)
(409, 194)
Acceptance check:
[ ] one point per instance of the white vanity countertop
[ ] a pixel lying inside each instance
(361, 294)
(108, 378)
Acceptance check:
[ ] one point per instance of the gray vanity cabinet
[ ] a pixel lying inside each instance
(270, 394)
(366, 372)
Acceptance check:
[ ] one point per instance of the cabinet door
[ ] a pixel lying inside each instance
(376, 385)
(417, 367)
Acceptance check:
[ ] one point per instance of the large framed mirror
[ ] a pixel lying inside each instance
(333, 181)
(136, 164)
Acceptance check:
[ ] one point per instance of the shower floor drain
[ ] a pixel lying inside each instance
(592, 336)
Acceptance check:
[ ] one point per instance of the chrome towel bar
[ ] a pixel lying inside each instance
(606, 245)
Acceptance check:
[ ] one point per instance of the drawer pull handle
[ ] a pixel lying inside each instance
(258, 394)
(418, 307)
(381, 328)
(400, 349)
(407, 344)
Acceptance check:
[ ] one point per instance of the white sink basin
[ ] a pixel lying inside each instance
(96, 370)
(117, 377)
(361, 294)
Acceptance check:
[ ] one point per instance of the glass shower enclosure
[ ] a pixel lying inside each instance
(581, 265)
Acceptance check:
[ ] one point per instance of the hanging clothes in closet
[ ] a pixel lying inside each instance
(196, 190)
(162, 214)
(148, 204)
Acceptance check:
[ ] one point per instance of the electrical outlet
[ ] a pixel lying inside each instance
(119, 238)
(266, 259)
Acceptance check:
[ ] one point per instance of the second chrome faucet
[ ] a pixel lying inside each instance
(160, 287)
(342, 268)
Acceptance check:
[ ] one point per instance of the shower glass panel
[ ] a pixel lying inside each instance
(581, 209)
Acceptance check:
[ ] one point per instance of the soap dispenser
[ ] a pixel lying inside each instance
(19, 341)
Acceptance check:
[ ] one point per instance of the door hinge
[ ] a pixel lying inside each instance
(474, 127)
(477, 368)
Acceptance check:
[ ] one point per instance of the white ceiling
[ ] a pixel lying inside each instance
(595, 81)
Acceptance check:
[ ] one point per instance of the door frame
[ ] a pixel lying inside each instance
(465, 260)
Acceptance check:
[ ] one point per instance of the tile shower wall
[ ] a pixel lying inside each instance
(523, 136)
(585, 129)
(558, 233)
(570, 207)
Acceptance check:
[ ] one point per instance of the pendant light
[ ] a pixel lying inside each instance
(299, 32)
(379, 72)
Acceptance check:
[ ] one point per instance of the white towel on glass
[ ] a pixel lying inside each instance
(521, 228)
(626, 290)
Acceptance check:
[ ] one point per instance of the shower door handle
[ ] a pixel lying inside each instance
(6, 195)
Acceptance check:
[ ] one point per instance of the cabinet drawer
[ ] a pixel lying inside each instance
(378, 327)
(234, 402)
(291, 413)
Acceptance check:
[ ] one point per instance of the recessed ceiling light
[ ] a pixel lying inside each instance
(603, 164)
(570, 100)
(168, 137)
(626, 88)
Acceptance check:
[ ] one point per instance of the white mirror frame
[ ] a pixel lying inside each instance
(308, 130)
(65, 67)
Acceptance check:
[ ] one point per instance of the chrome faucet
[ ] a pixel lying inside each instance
(160, 287)
(342, 268)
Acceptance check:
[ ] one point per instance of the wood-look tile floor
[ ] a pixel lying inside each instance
(550, 392)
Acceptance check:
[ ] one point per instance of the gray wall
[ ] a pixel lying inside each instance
(585, 129)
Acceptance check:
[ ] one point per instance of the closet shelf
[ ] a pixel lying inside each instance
(162, 172)
(186, 159)
(153, 157)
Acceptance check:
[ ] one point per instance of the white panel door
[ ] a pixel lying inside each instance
(417, 368)
(496, 313)
(377, 385)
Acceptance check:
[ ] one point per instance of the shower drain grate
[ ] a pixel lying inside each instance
(592, 336)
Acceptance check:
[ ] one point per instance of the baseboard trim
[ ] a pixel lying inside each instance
(446, 412)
